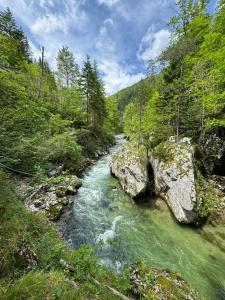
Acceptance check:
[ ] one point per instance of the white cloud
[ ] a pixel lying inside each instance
(49, 24)
(53, 23)
(116, 77)
(35, 50)
(43, 3)
(50, 28)
(153, 43)
(108, 2)
(104, 42)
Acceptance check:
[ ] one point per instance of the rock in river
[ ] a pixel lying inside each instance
(130, 166)
(174, 180)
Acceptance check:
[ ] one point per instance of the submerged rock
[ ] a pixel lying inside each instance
(129, 165)
(175, 180)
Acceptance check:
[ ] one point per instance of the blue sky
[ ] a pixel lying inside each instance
(121, 35)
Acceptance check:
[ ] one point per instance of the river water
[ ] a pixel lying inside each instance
(122, 232)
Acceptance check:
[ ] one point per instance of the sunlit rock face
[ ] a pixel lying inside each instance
(129, 165)
(173, 180)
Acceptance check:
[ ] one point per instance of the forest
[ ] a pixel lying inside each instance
(49, 117)
(183, 94)
(59, 133)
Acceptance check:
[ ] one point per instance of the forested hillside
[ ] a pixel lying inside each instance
(48, 117)
(183, 94)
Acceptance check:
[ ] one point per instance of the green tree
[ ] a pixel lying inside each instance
(9, 28)
(67, 69)
(86, 84)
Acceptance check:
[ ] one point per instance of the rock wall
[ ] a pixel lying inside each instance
(174, 181)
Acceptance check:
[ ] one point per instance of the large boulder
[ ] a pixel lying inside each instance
(175, 180)
(129, 165)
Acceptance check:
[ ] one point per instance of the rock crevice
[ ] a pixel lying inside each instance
(174, 181)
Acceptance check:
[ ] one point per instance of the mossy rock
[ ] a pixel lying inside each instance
(61, 191)
(73, 180)
(55, 211)
(150, 283)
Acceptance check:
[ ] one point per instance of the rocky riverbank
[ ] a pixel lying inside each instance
(50, 197)
(53, 193)
(171, 177)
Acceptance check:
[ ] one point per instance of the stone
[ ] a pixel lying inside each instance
(71, 190)
(37, 203)
(152, 283)
(54, 211)
(175, 181)
(24, 256)
(73, 180)
(61, 191)
(130, 167)
(56, 171)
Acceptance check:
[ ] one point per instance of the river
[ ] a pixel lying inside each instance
(122, 231)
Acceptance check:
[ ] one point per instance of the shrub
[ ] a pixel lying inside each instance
(63, 148)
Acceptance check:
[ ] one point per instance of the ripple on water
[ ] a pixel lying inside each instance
(122, 232)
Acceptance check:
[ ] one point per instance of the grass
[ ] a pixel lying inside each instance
(31, 252)
(40, 237)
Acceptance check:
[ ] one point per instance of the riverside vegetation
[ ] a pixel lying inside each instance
(53, 124)
(184, 99)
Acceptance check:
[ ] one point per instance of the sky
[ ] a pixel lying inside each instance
(121, 35)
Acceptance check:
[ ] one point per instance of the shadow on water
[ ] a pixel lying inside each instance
(218, 289)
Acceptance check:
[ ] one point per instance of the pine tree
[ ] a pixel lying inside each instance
(98, 99)
(93, 90)
(67, 69)
(86, 80)
(9, 28)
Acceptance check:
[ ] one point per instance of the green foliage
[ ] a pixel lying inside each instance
(64, 149)
(39, 121)
(187, 97)
(70, 106)
(208, 196)
(131, 121)
(67, 68)
(49, 278)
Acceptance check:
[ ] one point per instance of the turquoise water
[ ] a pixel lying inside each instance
(122, 232)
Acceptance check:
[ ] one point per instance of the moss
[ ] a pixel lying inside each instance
(164, 151)
(164, 282)
(49, 279)
(54, 211)
(208, 196)
(160, 284)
